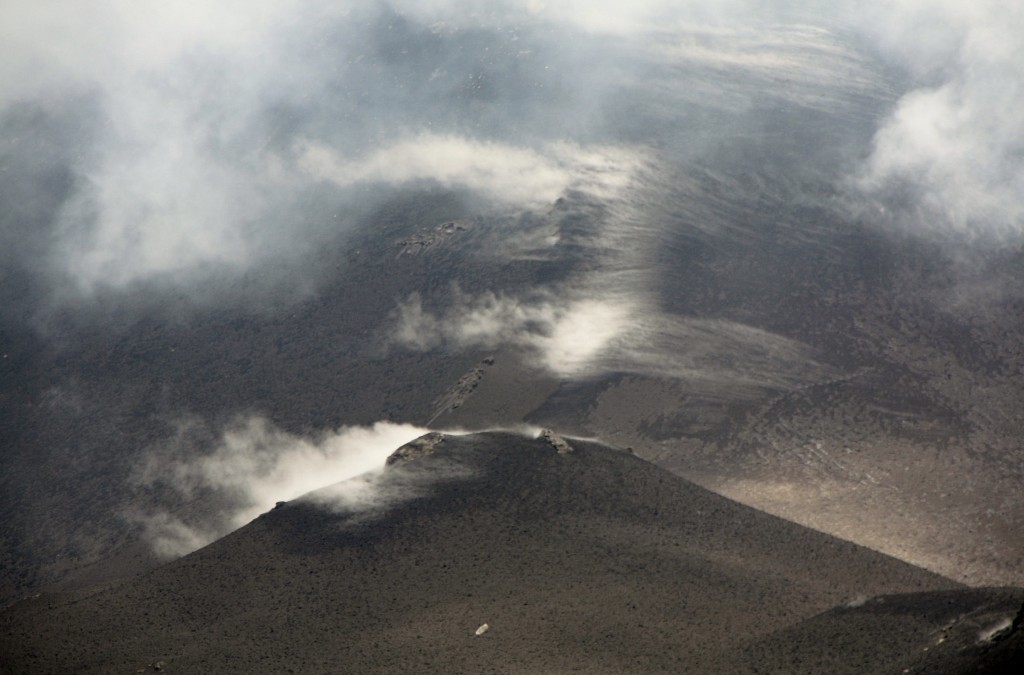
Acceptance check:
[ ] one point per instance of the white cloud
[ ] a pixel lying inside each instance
(564, 337)
(582, 332)
(589, 336)
(608, 17)
(813, 66)
(520, 176)
(172, 177)
(264, 465)
(176, 170)
(951, 155)
(256, 465)
(157, 206)
(171, 537)
(187, 155)
(47, 46)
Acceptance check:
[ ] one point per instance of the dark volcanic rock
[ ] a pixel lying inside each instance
(560, 445)
(420, 447)
(929, 632)
(592, 561)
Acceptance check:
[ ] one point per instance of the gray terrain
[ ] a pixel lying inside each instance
(576, 557)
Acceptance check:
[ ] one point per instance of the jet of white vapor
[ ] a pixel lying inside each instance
(256, 465)
(519, 176)
(585, 337)
(564, 337)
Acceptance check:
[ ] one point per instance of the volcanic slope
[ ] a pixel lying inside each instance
(579, 558)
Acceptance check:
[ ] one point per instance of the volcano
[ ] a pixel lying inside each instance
(569, 555)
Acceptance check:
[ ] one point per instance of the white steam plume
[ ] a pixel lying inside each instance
(565, 337)
(519, 176)
(256, 465)
(585, 337)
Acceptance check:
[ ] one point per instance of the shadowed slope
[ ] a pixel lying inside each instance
(963, 631)
(588, 560)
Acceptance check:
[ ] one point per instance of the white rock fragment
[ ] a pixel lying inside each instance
(482, 629)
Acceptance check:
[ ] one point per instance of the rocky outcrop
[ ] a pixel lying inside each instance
(1018, 621)
(460, 391)
(420, 447)
(428, 239)
(560, 445)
